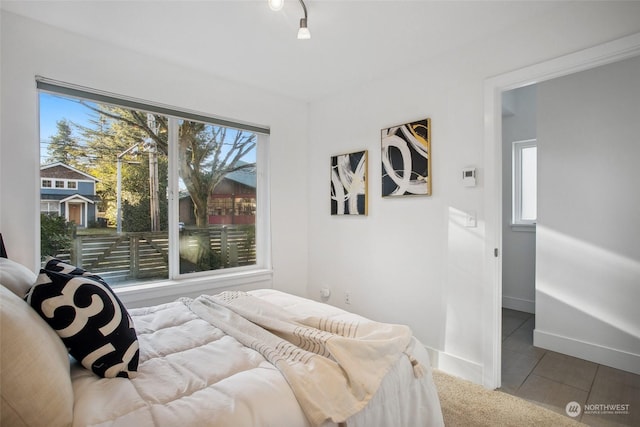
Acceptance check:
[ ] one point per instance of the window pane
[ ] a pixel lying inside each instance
(111, 216)
(529, 183)
(217, 211)
(105, 190)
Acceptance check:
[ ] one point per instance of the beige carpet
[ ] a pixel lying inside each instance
(467, 404)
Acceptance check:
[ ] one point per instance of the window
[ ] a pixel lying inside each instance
(49, 207)
(525, 180)
(46, 183)
(177, 194)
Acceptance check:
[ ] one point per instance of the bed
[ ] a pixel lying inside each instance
(258, 358)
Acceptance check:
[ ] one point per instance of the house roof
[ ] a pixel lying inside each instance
(77, 197)
(243, 176)
(64, 171)
(66, 197)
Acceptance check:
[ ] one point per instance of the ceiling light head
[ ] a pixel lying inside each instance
(276, 4)
(303, 32)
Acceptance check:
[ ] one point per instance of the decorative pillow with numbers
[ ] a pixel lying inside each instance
(89, 317)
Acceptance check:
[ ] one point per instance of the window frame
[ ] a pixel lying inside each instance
(65, 184)
(517, 222)
(148, 292)
(49, 210)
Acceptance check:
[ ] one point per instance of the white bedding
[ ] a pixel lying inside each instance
(192, 374)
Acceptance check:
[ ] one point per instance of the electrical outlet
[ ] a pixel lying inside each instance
(347, 298)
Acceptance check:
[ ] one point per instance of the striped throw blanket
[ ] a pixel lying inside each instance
(333, 367)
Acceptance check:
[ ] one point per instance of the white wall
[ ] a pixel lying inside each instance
(30, 48)
(588, 266)
(519, 242)
(411, 260)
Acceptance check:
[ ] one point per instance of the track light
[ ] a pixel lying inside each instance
(303, 31)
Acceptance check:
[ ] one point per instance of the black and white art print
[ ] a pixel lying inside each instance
(349, 184)
(406, 159)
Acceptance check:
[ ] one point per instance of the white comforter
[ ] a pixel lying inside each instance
(192, 374)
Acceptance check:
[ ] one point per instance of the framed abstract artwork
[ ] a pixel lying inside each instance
(349, 184)
(406, 159)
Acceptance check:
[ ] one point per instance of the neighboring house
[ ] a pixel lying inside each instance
(68, 192)
(233, 201)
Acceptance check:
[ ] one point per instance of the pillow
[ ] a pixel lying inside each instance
(35, 385)
(16, 277)
(89, 317)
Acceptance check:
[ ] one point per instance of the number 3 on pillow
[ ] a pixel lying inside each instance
(89, 317)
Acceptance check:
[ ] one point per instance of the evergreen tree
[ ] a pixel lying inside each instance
(106, 139)
(64, 148)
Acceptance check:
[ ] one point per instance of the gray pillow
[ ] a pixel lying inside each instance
(16, 277)
(35, 385)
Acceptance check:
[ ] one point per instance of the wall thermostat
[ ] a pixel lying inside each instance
(469, 177)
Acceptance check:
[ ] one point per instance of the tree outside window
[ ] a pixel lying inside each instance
(128, 152)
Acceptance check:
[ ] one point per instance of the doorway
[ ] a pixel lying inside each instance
(494, 88)
(519, 198)
(75, 213)
(519, 214)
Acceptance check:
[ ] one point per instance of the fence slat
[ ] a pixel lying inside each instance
(131, 256)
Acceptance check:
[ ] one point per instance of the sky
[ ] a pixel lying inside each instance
(54, 108)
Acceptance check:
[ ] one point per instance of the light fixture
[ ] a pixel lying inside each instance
(276, 4)
(303, 31)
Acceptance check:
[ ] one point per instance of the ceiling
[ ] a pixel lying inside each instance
(246, 42)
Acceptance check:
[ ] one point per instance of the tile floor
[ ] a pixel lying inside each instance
(552, 380)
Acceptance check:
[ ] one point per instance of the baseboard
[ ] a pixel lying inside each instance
(607, 356)
(519, 304)
(456, 366)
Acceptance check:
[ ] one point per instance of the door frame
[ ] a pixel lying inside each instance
(617, 50)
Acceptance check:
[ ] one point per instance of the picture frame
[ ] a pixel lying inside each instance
(349, 183)
(406, 159)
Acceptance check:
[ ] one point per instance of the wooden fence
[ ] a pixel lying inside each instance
(132, 256)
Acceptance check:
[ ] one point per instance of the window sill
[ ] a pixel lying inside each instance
(530, 228)
(147, 294)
